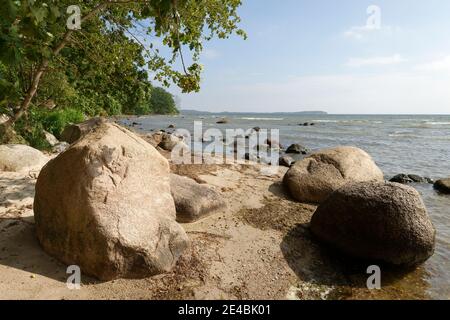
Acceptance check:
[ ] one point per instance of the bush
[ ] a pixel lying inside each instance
(32, 127)
(55, 121)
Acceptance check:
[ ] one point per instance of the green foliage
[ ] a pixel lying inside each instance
(55, 121)
(162, 102)
(31, 128)
(104, 68)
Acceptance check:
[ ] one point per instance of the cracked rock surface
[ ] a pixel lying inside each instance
(105, 204)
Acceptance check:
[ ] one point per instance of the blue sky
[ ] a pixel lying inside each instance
(320, 55)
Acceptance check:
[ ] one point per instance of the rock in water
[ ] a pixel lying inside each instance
(443, 185)
(296, 148)
(193, 201)
(105, 204)
(401, 178)
(74, 132)
(314, 178)
(376, 221)
(222, 121)
(410, 178)
(21, 158)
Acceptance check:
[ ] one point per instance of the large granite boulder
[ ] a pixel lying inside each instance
(379, 221)
(194, 201)
(314, 178)
(21, 158)
(74, 132)
(104, 204)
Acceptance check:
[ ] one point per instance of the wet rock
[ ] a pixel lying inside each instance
(222, 121)
(314, 178)
(401, 178)
(171, 126)
(194, 201)
(21, 158)
(410, 178)
(105, 205)
(443, 185)
(297, 148)
(377, 221)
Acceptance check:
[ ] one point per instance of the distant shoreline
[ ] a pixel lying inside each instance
(194, 112)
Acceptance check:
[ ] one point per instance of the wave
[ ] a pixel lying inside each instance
(437, 123)
(262, 119)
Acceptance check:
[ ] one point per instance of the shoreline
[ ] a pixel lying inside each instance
(246, 251)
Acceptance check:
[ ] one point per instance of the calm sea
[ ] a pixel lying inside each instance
(412, 144)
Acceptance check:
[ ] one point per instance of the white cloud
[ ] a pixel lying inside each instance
(441, 64)
(375, 61)
(363, 32)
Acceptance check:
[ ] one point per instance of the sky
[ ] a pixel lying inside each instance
(332, 56)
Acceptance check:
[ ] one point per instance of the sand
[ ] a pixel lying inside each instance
(259, 247)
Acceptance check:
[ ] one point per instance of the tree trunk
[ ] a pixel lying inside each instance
(5, 127)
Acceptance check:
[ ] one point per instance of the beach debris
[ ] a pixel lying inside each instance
(377, 221)
(105, 205)
(314, 178)
(194, 201)
(21, 158)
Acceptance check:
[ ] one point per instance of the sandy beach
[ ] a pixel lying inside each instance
(259, 247)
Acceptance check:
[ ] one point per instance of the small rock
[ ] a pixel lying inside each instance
(443, 185)
(286, 161)
(51, 139)
(60, 147)
(222, 121)
(193, 201)
(297, 148)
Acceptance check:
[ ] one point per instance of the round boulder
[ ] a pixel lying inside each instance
(296, 148)
(21, 158)
(385, 222)
(314, 178)
(105, 205)
(194, 201)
